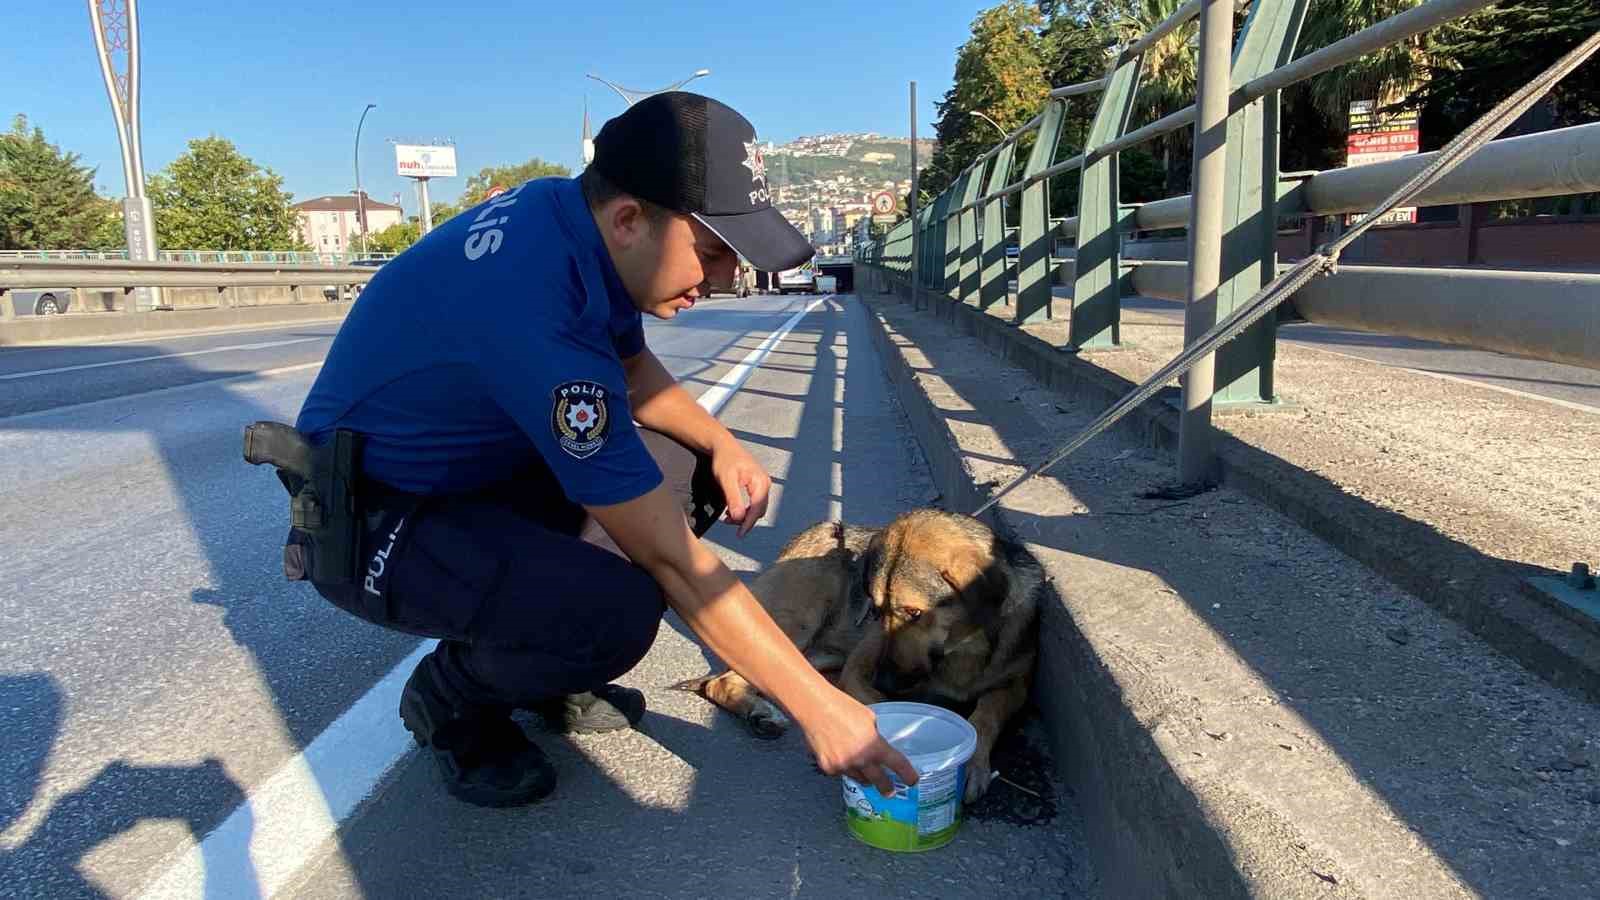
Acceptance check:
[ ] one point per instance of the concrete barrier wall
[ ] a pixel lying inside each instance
(62, 329)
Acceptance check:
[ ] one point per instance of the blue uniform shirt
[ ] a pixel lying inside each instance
(494, 342)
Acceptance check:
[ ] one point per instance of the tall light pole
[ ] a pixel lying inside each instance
(629, 96)
(361, 199)
(1003, 136)
(116, 29)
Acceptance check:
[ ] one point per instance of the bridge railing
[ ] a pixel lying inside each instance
(1547, 315)
(211, 283)
(293, 257)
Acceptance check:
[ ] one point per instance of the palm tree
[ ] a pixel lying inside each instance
(1384, 75)
(1167, 79)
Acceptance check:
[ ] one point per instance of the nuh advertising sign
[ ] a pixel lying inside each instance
(418, 161)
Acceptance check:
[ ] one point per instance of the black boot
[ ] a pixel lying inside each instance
(605, 709)
(483, 756)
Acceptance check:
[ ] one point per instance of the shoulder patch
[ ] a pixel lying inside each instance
(580, 417)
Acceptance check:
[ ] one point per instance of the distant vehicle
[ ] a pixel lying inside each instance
(801, 281)
(42, 302)
(1013, 251)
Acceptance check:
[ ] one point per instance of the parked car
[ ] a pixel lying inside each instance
(40, 302)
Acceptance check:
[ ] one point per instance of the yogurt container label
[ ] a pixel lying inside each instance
(920, 817)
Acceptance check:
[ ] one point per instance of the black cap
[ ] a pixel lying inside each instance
(694, 155)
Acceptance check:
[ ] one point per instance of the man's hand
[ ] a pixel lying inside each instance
(744, 483)
(844, 736)
(652, 531)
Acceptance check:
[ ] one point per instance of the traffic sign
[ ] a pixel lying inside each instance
(883, 203)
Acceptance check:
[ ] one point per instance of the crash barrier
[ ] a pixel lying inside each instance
(293, 257)
(116, 286)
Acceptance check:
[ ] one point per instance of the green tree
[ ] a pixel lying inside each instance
(507, 177)
(1000, 72)
(439, 212)
(1077, 40)
(47, 200)
(109, 234)
(394, 239)
(215, 198)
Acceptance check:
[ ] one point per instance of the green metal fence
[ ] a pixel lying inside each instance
(964, 256)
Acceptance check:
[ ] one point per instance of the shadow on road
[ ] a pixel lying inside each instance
(115, 800)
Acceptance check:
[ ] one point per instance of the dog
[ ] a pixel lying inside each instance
(933, 608)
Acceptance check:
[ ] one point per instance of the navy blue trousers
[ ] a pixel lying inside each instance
(528, 596)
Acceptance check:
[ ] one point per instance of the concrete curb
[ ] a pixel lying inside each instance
(1156, 840)
(87, 327)
(1487, 595)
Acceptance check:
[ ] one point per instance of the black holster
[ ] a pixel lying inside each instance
(324, 511)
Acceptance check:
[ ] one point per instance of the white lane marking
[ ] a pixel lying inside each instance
(718, 394)
(262, 345)
(1474, 382)
(264, 842)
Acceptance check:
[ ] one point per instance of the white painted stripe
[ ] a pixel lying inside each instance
(264, 842)
(139, 359)
(717, 395)
(1473, 382)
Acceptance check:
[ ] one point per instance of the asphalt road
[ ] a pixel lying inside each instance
(160, 682)
(1551, 381)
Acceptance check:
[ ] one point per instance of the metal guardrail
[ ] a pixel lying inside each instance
(292, 257)
(965, 261)
(126, 275)
(1553, 316)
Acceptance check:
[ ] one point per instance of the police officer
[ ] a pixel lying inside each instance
(511, 506)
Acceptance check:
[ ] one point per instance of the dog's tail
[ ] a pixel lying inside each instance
(694, 685)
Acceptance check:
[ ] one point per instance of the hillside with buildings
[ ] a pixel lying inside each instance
(824, 183)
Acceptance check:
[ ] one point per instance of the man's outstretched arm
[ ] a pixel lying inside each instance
(842, 733)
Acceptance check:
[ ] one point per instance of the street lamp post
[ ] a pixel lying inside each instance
(1003, 136)
(361, 199)
(629, 96)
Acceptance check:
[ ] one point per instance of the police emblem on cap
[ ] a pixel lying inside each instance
(579, 417)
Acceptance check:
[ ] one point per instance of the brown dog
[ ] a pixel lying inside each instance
(956, 612)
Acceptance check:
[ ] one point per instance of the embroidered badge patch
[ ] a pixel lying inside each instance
(580, 417)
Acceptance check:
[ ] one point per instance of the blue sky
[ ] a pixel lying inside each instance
(286, 80)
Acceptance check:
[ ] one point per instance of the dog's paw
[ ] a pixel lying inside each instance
(978, 774)
(766, 721)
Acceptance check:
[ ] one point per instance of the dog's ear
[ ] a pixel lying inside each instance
(978, 578)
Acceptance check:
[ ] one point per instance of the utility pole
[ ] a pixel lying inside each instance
(916, 239)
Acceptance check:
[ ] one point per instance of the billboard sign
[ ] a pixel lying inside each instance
(420, 161)
(1375, 138)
